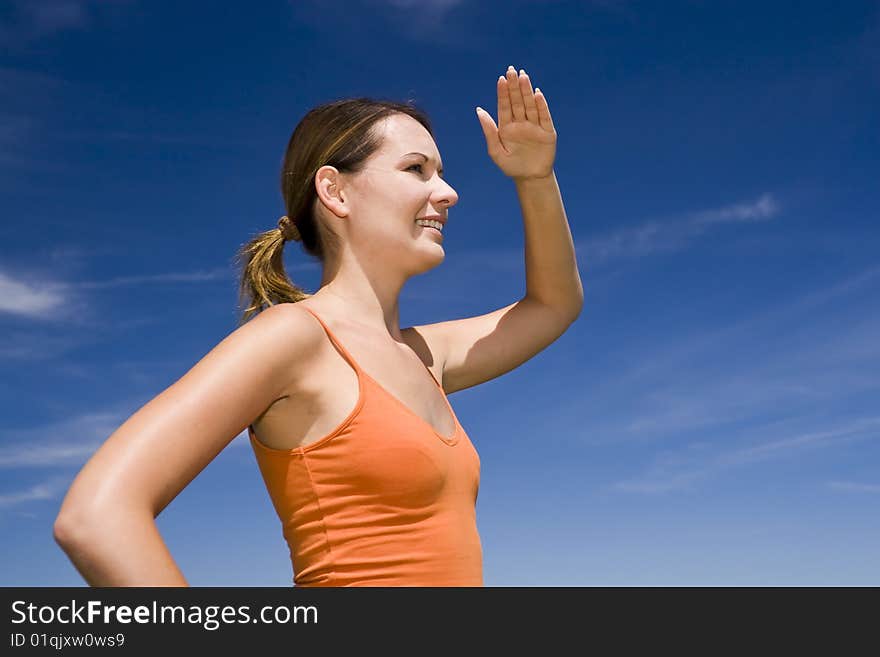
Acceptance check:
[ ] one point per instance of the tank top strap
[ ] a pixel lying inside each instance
(334, 340)
(353, 362)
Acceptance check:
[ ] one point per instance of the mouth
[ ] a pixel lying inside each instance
(433, 219)
(430, 229)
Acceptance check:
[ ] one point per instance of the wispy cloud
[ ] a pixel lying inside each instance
(799, 389)
(851, 338)
(47, 490)
(864, 427)
(27, 299)
(18, 456)
(674, 234)
(45, 299)
(832, 361)
(766, 207)
(677, 469)
(35, 345)
(69, 442)
(648, 237)
(217, 274)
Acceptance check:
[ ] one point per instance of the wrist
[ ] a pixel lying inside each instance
(525, 180)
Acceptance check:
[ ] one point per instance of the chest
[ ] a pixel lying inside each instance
(328, 392)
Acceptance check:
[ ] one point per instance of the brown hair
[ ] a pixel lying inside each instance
(340, 134)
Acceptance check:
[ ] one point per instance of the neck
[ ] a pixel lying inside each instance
(364, 302)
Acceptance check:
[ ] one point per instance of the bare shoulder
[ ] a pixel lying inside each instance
(270, 345)
(289, 335)
(157, 451)
(285, 327)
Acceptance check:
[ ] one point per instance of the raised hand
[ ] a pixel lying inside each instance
(523, 144)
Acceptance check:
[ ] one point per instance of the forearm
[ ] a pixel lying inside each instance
(552, 275)
(122, 548)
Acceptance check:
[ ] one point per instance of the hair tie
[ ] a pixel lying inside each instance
(288, 229)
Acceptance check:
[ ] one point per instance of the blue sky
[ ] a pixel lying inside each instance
(711, 418)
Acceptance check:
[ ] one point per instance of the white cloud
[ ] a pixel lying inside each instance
(69, 442)
(47, 490)
(74, 453)
(775, 384)
(677, 469)
(38, 492)
(219, 273)
(674, 234)
(47, 299)
(851, 338)
(633, 242)
(27, 299)
(766, 207)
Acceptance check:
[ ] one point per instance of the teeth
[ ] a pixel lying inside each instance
(431, 223)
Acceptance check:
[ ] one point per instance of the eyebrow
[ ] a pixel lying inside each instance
(429, 159)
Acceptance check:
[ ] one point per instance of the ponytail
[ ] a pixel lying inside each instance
(264, 281)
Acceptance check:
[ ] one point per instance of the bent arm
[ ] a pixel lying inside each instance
(118, 546)
(106, 524)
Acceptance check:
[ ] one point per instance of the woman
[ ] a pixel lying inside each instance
(373, 478)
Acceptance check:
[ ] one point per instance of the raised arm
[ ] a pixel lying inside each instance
(106, 523)
(523, 145)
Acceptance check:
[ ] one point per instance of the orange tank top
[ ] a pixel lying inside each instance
(382, 500)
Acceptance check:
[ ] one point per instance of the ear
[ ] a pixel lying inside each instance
(329, 189)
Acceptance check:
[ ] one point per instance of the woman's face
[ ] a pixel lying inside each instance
(396, 187)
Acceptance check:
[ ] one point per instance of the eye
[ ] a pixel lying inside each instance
(414, 165)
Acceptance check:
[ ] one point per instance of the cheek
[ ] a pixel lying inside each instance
(387, 234)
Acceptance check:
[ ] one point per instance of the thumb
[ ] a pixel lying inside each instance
(490, 130)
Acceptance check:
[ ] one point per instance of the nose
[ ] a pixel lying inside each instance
(446, 194)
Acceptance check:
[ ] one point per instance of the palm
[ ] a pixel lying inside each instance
(523, 144)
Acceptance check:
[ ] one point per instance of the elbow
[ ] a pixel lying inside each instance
(71, 520)
(572, 312)
(565, 315)
(69, 528)
(76, 526)
(578, 305)
(572, 306)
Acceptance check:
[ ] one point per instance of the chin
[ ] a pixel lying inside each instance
(429, 262)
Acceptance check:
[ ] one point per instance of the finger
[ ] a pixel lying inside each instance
(516, 101)
(528, 96)
(543, 110)
(490, 131)
(505, 114)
